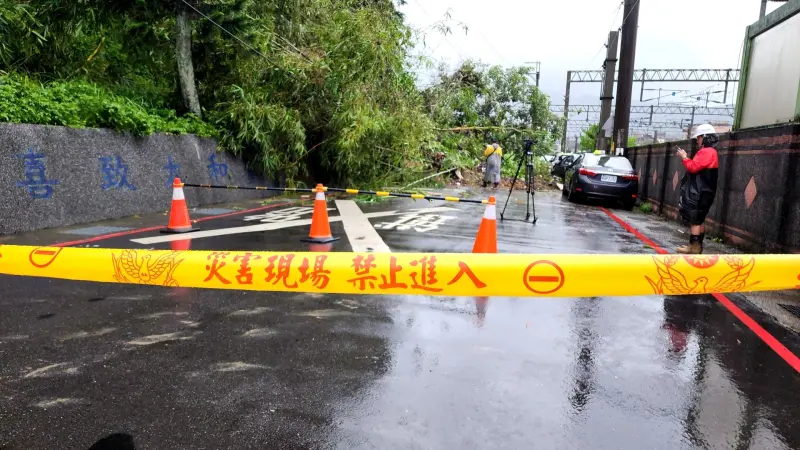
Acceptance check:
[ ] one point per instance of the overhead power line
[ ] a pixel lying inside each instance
(248, 46)
(596, 76)
(619, 8)
(644, 109)
(628, 15)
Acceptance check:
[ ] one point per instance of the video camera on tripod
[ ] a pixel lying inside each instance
(530, 205)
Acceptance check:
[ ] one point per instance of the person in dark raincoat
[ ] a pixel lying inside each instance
(494, 158)
(699, 186)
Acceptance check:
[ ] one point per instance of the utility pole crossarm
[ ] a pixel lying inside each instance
(645, 109)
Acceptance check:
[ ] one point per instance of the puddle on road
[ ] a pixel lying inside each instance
(86, 334)
(157, 338)
(259, 333)
(47, 404)
(237, 366)
(53, 370)
(250, 312)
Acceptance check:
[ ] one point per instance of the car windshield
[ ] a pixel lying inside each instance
(612, 162)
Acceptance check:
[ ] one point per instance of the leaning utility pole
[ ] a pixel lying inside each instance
(627, 58)
(607, 94)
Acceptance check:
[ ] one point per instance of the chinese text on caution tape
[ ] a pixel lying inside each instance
(411, 273)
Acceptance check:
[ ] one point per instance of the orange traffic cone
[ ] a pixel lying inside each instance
(320, 227)
(178, 214)
(486, 242)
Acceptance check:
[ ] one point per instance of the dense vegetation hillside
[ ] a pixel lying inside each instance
(318, 89)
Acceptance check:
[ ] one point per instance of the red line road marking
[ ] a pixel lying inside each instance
(635, 232)
(159, 227)
(763, 334)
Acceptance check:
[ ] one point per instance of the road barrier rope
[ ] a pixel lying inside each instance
(343, 190)
(464, 275)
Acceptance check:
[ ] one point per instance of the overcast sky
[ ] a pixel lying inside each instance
(569, 35)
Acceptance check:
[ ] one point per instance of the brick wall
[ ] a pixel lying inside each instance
(758, 198)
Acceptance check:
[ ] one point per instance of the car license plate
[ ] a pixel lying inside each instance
(608, 178)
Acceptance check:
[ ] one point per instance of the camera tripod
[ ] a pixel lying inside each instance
(530, 204)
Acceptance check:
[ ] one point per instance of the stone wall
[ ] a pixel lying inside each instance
(758, 198)
(57, 176)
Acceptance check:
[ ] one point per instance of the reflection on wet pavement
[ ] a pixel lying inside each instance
(211, 369)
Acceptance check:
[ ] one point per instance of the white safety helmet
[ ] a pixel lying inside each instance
(703, 129)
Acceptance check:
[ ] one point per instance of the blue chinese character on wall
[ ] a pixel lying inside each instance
(115, 173)
(174, 170)
(216, 170)
(35, 178)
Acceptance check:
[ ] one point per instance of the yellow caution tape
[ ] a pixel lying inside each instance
(411, 273)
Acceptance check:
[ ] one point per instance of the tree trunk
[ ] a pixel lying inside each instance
(183, 56)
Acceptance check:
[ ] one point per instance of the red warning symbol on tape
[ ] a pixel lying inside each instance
(543, 277)
(44, 256)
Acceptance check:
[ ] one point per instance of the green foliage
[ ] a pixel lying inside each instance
(588, 140)
(645, 207)
(320, 91)
(270, 135)
(541, 168)
(327, 94)
(84, 104)
(477, 103)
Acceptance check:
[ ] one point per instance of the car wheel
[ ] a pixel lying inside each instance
(629, 204)
(573, 196)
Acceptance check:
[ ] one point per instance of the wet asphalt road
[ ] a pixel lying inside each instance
(203, 369)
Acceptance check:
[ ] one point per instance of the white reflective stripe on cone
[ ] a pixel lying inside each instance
(491, 213)
(320, 196)
(177, 194)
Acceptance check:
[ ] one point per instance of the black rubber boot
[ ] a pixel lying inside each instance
(695, 246)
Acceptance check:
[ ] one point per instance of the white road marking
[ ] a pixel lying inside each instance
(416, 221)
(362, 236)
(269, 227)
(282, 215)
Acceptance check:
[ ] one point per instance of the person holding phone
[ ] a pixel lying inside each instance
(699, 186)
